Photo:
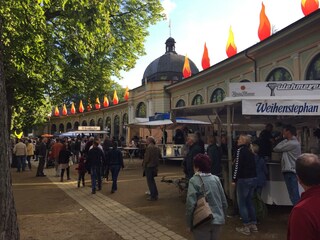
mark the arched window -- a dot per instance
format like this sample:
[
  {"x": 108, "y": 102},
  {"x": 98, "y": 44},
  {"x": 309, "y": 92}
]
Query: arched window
[
  {"x": 313, "y": 72},
  {"x": 279, "y": 74},
  {"x": 69, "y": 126},
  {"x": 100, "y": 123},
  {"x": 141, "y": 110},
  {"x": 116, "y": 127},
  {"x": 92, "y": 122},
  {"x": 61, "y": 127},
  {"x": 108, "y": 125},
  {"x": 180, "y": 103},
  {"x": 53, "y": 128},
  {"x": 245, "y": 80},
  {"x": 218, "y": 95},
  {"x": 197, "y": 100},
  {"x": 76, "y": 125},
  {"x": 125, "y": 121},
  {"x": 84, "y": 123}
]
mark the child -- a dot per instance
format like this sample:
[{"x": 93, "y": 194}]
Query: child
[{"x": 81, "y": 170}]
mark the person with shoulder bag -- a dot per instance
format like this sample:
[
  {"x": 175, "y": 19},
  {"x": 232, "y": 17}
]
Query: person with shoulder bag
[{"x": 204, "y": 184}]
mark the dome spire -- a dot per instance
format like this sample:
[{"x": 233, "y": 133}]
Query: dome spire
[{"x": 170, "y": 47}]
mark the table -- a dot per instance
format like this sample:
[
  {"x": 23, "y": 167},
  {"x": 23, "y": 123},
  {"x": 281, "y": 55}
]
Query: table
[{"x": 130, "y": 151}]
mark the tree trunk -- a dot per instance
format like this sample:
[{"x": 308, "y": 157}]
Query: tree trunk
[{"x": 8, "y": 217}]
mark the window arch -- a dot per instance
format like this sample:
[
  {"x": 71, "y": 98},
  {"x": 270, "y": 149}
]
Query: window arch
[
  {"x": 141, "y": 110},
  {"x": 53, "y": 128},
  {"x": 69, "y": 126},
  {"x": 108, "y": 125},
  {"x": 92, "y": 122},
  {"x": 197, "y": 100},
  {"x": 218, "y": 95},
  {"x": 125, "y": 120},
  {"x": 245, "y": 80},
  {"x": 180, "y": 103},
  {"x": 313, "y": 71},
  {"x": 116, "y": 125},
  {"x": 100, "y": 123},
  {"x": 76, "y": 125},
  {"x": 61, "y": 127},
  {"x": 84, "y": 123},
  {"x": 279, "y": 74}
]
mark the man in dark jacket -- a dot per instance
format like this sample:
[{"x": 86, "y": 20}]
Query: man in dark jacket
[
  {"x": 194, "y": 149},
  {"x": 95, "y": 160},
  {"x": 42, "y": 157},
  {"x": 115, "y": 163},
  {"x": 150, "y": 165}
]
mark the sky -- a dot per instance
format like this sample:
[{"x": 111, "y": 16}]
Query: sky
[{"x": 194, "y": 23}]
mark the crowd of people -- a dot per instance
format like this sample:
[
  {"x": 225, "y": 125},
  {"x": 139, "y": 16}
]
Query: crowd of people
[{"x": 249, "y": 174}]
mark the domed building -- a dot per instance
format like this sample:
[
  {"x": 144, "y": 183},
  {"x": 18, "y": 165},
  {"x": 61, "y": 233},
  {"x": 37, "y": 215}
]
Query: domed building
[{"x": 167, "y": 67}]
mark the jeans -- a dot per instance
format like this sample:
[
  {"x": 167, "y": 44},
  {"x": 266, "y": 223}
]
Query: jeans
[
  {"x": 115, "y": 169},
  {"x": 95, "y": 172},
  {"x": 245, "y": 190},
  {"x": 21, "y": 163},
  {"x": 150, "y": 174},
  {"x": 291, "y": 181}
]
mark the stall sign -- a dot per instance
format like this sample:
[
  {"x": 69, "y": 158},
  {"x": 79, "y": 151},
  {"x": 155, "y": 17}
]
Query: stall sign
[{"x": 281, "y": 107}]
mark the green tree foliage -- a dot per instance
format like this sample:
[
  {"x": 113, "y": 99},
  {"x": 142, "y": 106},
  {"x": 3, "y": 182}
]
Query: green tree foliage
[{"x": 59, "y": 51}]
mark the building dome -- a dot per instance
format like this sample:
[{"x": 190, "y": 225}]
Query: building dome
[{"x": 167, "y": 67}]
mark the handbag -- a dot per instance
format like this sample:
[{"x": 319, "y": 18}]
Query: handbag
[{"x": 202, "y": 212}]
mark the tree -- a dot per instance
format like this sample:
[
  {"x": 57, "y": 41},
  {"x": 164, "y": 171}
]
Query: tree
[{"x": 51, "y": 48}]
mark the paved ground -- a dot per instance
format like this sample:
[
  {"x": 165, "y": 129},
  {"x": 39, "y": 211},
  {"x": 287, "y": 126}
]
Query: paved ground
[{"x": 48, "y": 209}]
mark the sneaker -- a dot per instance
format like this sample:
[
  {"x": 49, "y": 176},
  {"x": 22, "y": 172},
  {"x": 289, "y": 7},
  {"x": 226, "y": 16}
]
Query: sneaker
[
  {"x": 253, "y": 228},
  {"x": 244, "y": 230}
]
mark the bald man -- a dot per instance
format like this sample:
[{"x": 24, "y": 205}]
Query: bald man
[{"x": 304, "y": 220}]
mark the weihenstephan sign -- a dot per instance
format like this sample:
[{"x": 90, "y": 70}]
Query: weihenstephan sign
[{"x": 278, "y": 98}]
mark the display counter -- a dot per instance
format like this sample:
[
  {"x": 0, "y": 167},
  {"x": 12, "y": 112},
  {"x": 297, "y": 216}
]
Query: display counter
[{"x": 275, "y": 191}]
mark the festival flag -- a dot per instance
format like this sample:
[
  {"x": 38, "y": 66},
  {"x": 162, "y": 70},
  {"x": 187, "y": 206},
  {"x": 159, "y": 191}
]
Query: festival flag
[
  {"x": 64, "y": 110},
  {"x": 105, "y": 101},
  {"x": 126, "y": 94},
  {"x": 186, "y": 71},
  {"x": 231, "y": 48},
  {"x": 56, "y": 112},
  {"x": 115, "y": 98},
  {"x": 81, "y": 108},
  {"x": 18, "y": 135},
  {"x": 205, "y": 58},
  {"x": 97, "y": 104},
  {"x": 309, "y": 6},
  {"x": 73, "y": 109},
  {"x": 264, "y": 27}
]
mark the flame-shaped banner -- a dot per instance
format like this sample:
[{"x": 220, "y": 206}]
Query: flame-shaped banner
[
  {"x": 264, "y": 27},
  {"x": 56, "y": 112},
  {"x": 231, "y": 48},
  {"x": 97, "y": 104},
  {"x": 205, "y": 58},
  {"x": 126, "y": 94},
  {"x": 115, "y": 98},
  {"x": 18, "y": 135},
  {"x": 73, "y": 109},
  {"x": 105, "y": 101},
  {"x": 64, "y": 110},
  {"x": 81, "y": 108},
  {"x": 186, "y": 71},
  {"x": 309, "y": 6}
]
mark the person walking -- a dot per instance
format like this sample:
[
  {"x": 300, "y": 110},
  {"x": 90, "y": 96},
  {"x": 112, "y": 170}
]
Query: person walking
[
  {"x": 290, "y": 148},
  {"x": 30, "y": 152},
  {"x": 20, "y": 152},
  {"x": 215, "y": 197},
  {"x": 115, "y": 163},
  {"x": 194, "y": 149},
  {"x": 55, "y": 151},
  {"x": 150, "y": 165},
  {"x": 64, "y": 159},
  {"x": 95, "y": 160},
  {"x": 81, "y": 171},
  {"x": 244, "y": 177},
  {"x": 42, "y": 157},
  {"x": 214, "y": 153},
  {"x": 304, "y": 219}
]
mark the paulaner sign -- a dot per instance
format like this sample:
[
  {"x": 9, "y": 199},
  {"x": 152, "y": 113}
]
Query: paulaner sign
[{"x": 281, "y": 107}]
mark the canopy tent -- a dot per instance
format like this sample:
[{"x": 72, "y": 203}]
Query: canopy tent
[{"x": 80, "y": 132}]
